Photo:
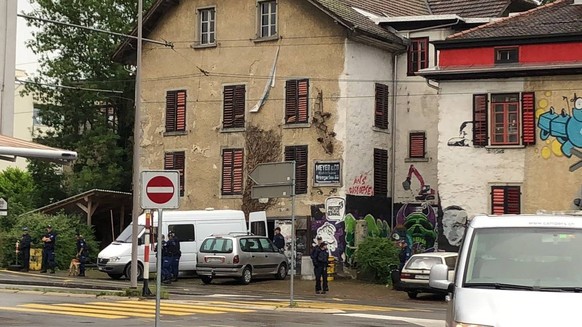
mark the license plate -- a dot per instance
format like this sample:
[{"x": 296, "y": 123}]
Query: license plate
[
  {"x": 421, "y": 276},
  {"x": 214, "y": 260}
]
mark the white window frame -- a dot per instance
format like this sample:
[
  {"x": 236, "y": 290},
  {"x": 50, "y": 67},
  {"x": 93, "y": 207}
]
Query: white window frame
[
  {"x": 272, "y": 4},
  {"x": 210, "y": 34}
]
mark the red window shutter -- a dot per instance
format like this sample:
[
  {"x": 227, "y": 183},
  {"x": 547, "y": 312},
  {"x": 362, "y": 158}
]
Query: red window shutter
[
  {"x": 170, "y": 111},
  {"x": 180, "y": 165},
  {"x": 227, "y": 160},
  {"x": 300, "y": 155},
  {"x": 181, "y": 110},
  {"x": 417, "y": 145},
  {"x": 228, "y": 109},
  {"x": 237, "y": 176},
  {"x": 528, "y": 107},
  {"x": 302, "y": 100},
  {"x": 513, "y": 200},
  {"x": 291, "y": 102},
  {"x": 498, "y": 200},
  {"x": 380, "y": 172},
  {"x": 480, "y": 129},
  {"x": 239, "y": 106},
  {"x": 381, "y": 106}
]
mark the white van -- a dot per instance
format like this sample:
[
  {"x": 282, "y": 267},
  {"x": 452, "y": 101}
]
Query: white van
[
  {"x": 190, "y": 227},
  {"x": 516, "y": 270}
]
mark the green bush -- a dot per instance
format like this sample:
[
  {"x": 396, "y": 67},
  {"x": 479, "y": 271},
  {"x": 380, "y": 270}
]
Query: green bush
[
  {"x": 65, "y": 226},
  {"x": 375, "y": 256}
]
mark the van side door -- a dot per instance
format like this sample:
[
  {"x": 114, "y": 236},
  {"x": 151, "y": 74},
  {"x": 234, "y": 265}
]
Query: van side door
[
  {"x": 186, "y": 236},
  {"x": 271, "y": 255}
]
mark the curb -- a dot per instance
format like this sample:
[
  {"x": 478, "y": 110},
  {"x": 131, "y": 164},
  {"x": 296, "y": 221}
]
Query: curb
[{"x": 61, "y": 284}]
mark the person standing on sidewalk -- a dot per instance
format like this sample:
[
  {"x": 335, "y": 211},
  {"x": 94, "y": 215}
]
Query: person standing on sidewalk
[
  {"x": 82, "y": 254},
  {"x": 175, "y": 253},
  {"x": 320, "y": 264},
  {"x": 48, "y": 251},
  {"x": 25, "y": 249},
  {"x": 279, "y": 239}
]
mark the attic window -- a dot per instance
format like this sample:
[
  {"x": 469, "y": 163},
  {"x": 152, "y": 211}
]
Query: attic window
[{"x": 506, "y": 55}]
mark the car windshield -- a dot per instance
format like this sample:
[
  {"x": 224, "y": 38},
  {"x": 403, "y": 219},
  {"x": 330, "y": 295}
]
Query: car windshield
[
  {"x": 125, "y": 236},
  {"x": 216, "y": 245},
  {"x": 422, "y": 262},
  {"x": 534, "y": 258}
]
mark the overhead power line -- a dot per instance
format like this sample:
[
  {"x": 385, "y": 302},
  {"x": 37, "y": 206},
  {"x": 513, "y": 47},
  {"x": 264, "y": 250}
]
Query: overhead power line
[
  {"x": 71, "y": 87},
  {"x": 164, "y": 43}
]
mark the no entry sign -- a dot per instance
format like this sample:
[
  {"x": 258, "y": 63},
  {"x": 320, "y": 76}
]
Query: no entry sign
[{"x": 160, "y": 189}]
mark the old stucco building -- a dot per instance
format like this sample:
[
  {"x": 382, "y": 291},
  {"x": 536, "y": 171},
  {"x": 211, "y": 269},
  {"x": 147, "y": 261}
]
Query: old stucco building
[{"x": 512, "y": 88}]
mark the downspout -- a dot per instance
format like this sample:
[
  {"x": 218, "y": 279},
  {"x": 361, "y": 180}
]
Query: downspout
[{"x": 393, "y": 133}]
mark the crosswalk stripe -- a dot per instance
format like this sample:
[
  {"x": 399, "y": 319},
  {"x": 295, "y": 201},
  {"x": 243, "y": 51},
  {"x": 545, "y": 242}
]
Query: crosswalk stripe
[
  {"x": 92, "y": 315},
  {"x": 83, "y": 310},
  {"x": 113, "y": 307},
  {"x": 196, "y": 306},
  {"x": 163, "y": 308}
]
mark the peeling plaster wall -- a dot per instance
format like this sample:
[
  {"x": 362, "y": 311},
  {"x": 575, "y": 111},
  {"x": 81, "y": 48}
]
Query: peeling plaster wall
[
  {"x": 363, "y": 67},
  {"x": 465, "y": 174},
  {"x": 312, "y": 46}
]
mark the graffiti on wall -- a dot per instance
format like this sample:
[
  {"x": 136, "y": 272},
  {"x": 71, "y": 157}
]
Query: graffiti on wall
[
  {"x": 419, "y": 220},
  {"x": 452, "y": 227},
  {"x": 373, "y": 228},
  {"x": 362, "y": 185},
  {"x": 565, "y": 128},
  {"x": 331, "y": 231},
  {"x": 425, "y": 192},
  {"x": 463, "y": 138}
]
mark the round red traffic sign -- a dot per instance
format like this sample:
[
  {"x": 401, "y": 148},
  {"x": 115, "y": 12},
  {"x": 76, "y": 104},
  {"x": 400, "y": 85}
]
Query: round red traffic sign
[{"x": 160, "y": 189}]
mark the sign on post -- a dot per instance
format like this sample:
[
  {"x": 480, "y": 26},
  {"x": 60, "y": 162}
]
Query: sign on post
[
  {"x": 3, "y": 207},
  {"x": 274, "y": 180},
  {"x": 160, "y": 189}
]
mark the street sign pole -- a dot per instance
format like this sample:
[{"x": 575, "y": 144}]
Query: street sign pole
[
  {"x": 159, "y": 267},
  {"x": 292, "y": 233}
]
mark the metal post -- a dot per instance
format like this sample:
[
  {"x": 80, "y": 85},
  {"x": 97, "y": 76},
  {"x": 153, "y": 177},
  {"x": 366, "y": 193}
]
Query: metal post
[
  {"x": 292, "y": 234},
  {"x": 146, "y": 257},
  {"x": 159, "y": 268},
  {"x": 136, "y": 139}
]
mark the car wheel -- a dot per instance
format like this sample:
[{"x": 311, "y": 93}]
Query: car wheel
[
  {"x": 281, "y": 272},
  {"x": 115, "y": 276},
  {"x": 206, "y": 279},
  {"x": 412, "y": 295},
  {"x": 139, "y": 271},
  {"x": 247, "y": 276}
]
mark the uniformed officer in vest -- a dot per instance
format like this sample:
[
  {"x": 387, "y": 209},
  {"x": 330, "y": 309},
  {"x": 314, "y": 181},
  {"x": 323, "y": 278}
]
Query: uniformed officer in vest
[
  {"x": 48, "y": 251},
  {"x": 25, "y": 241}
]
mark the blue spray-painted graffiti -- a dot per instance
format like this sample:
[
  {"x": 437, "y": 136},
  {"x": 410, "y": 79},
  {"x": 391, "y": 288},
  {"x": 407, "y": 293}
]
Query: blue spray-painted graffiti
[{"x": 566, "y": 128}]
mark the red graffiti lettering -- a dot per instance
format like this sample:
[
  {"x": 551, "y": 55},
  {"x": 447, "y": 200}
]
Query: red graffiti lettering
[{"x": 359, "y": 186}]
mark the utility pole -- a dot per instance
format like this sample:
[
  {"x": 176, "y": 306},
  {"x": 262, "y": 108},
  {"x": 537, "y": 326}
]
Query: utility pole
[{"x": 137, "y": 135}]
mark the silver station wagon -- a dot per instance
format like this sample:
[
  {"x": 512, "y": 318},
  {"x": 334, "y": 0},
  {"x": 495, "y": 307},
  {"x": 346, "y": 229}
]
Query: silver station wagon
[{"x": 240, "y": 256}]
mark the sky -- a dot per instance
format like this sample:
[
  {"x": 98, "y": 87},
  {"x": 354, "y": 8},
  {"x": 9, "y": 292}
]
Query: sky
[{"x": 25, "y": 59}]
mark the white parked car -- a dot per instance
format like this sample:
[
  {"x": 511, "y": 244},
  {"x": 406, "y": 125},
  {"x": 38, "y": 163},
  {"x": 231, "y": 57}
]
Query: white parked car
[{"x": 416, "y": 272}]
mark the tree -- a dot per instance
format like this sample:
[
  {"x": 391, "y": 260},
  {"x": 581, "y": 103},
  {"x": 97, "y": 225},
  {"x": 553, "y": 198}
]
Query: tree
[
  {"x": 96, "y": 124},
  {"x": 18, "y": 189}
]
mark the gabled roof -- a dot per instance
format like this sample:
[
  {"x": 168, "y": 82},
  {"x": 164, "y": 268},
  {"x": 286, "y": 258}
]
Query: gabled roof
[
  {"x": 360, "y": 26},
  {"x": 475, "y": 8},
  {"x": 392, "y": 8},
  {"x": 558, "y": 18}
]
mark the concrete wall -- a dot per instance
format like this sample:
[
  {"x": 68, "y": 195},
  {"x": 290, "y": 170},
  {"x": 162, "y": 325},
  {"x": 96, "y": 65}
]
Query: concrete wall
[
  {"x": 7, "y": 64},
  {"x": 312, "y": 46},
  {"x": 466, "y": 173}
]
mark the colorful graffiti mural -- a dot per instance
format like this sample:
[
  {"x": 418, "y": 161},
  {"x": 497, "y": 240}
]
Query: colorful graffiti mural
[
  {"x": 419, "y": 220},
  {"x": 374, "y": 227},
  {"x": 454, "y": 220},
  {"x": 565, "y": 128}
]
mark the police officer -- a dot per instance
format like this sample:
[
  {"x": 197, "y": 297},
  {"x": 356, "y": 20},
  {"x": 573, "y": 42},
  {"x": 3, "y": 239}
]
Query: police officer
[
  {"x": 48, "y": 251},
  {"x": 25, "y": 241},
  {"x": 321, "y": 262},
  {"x": 174, "y": 244},
  {"x": 82, "y": 254},
  {"x": 166, "y": 260}
]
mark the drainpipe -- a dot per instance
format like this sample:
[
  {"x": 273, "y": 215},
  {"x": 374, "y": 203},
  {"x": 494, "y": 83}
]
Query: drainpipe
[{"x": 393, "y": 133}]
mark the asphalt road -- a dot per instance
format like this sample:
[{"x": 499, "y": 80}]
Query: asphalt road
[{"x": 31, "y": 308}]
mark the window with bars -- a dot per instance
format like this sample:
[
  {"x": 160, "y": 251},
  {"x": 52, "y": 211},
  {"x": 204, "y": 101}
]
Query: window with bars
[
  {"x": 176, "y": 111},
  {"x": 207, "y": 26},
  {"x": 267, "y": 18},
  {"x": 232, "y": 171},
  {"x": 380, "y": 172},
  {"x": 381, "y": 106},
  {"x": 233, "y": 113},
  {"x": 504, "y": 119},
  {"x": 296, "y": 101},
  {"x": 505, "y": 200},
  {"x": 299, "y": 154},
  {"x": 176, "y": 161},
  {"x": 417, "y": 145},
  {"x": 417, "y": 55}
]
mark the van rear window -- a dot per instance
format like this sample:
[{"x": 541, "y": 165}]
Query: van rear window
[{"x": 216, "y": 245}]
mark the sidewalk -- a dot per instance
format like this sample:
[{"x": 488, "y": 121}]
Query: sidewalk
[{"x": 340, "y": 289}]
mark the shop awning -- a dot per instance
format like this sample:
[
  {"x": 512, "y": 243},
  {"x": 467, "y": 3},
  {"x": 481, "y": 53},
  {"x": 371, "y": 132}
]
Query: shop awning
[{"x": 11, "y": 147}]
